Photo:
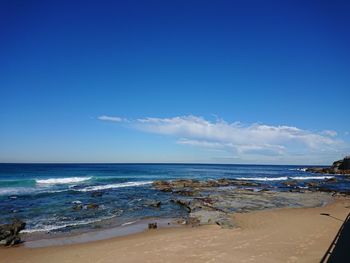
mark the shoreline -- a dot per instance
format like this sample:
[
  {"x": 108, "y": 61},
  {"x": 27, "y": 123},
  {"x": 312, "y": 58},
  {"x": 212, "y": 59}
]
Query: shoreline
[
  {"x": 72, "y": 238},
  {"x": 274, "y": 235},
  {"x": 48, "y": 239}
]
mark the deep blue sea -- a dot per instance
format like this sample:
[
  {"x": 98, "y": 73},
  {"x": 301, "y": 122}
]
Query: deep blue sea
[{"x": 44, "y": 195}]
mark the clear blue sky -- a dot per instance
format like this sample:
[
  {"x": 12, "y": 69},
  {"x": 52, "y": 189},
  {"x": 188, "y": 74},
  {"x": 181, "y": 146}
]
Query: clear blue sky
[{"x": 66, "y": 64}]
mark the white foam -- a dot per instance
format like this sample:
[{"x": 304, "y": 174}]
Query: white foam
[
  {"x": 68, "y": 180},
  {"x": 49, "y": 228},
  {"x": 129, "y": 223},
  {"x": 298, "y": 169},
  {"x": 16, "y": 190},
  {"x": 264, "y": 178},
  {"x": 311, "y": 177},
  {"x": 111, "y": 186},
  {"x": 284, "y": 178}
]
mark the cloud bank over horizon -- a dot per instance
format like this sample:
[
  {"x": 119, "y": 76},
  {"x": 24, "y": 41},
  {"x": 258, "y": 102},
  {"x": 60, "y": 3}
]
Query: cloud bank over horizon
[{"x": 241, "y": 141}]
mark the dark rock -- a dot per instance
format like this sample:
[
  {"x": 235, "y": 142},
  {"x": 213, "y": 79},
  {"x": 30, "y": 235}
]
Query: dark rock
[
  {"x": 152, "y": 225},
  {"x": 291, "y": 183},
  {"x": 206, "y": 200},
  {"x": 313, "y": 184},
  {"x": 9, "y": 233},
  {"x": 78, "y": 207},
  {"x": 92, "y": 206},
  {"x": 162, "y": 186},
  {"x": 193, "y": 221},
  {"x": 186, "y": 186},
  {"x": 234, "y": 182},
  {"x": 325, "y": 189},
  {"x": 183, "y": 203},
  {"x": 153, "y": 203},
  {"x": 225, "y": 223},
  {"x": 185, "y": 192},
  {"x": 156, "y": 204},
  {"x": 264, "y": 190},
  {"x": 338, "y": 167},
  {"x": 331, "y": 180},
  {"x": 342, "y": 164}
]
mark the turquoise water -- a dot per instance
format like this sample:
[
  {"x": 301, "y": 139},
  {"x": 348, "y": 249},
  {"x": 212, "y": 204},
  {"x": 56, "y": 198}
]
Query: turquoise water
[{"x": 46, "y": 196}]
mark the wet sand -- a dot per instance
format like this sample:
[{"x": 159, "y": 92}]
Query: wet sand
[{"x": 280, "y": 235}]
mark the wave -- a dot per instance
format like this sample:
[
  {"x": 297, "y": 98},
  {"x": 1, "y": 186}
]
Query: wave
[
  {"x": 49, "y": 228},
  {"x": 129, "y": 223},
  {"x": 298, "y": 169},
  {"x": 68, "y": 180},
  {"x": 311, "y": 177},
  {"x": 283, "y": 178},
  {"x": 27, "y": 191},
  {"x": 111, "y": 186},
  {"x": 44, "y": 190},
  {"x": 16, "y": 190}
]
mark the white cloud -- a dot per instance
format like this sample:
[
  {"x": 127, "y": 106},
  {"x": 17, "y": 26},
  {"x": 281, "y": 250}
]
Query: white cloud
[
  {"x": 242, "y": 140},
  {"x": 110, "y": 118},
  {"x": 330, "y": 133}
]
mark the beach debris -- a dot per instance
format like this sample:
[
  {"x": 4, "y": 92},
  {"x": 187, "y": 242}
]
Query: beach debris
[
  {"x": 152, "y": 225},
  {"x": 9, "y": 233}
]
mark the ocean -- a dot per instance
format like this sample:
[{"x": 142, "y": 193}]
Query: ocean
[{"x": 55, "y": 198}]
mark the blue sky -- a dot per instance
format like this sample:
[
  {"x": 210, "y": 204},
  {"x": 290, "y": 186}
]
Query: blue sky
[{"x": 174, "y": 81}]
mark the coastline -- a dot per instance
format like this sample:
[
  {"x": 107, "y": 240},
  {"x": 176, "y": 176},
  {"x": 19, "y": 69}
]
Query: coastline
[{"x": 275, "y": 235}]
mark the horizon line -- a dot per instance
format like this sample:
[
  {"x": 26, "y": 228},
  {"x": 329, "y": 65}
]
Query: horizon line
[{"x": 163, "y": 163}]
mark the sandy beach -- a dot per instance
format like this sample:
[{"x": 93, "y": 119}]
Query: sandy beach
[{"x": 279, "y": 235}]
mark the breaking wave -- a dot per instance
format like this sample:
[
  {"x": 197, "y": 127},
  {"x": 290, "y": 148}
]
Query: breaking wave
[
  {"x": 68, "y": 180},
  {"x": 311, "y": 177},
  {"x": 110, "y": 186},
  {"x": 48, "y": 228},
  {"x": 284, "y": 178}
]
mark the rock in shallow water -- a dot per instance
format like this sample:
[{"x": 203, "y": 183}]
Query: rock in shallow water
[
  {"x": 152, "y": 225},
  {"x": 214, "y": 201},
  {"x": 92, "y": 206},
  {"x": 9, "y": 233}
]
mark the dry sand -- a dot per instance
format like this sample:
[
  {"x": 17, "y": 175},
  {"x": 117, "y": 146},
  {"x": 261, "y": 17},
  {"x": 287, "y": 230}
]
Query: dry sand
[{"x": 281, "y": 235}]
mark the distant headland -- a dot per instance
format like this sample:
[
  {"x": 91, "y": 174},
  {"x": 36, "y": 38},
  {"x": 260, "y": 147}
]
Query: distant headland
[{"x": 338, "y": 167}]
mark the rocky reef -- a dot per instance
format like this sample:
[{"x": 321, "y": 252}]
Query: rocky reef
[
  {"x": 338, "y": 167},
  {"x": 214, "y": 201},
  {"x": 9, "y": 233}
]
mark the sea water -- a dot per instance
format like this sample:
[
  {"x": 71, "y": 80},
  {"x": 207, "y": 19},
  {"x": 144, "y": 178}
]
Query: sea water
[{"x": 65, "y": 197}]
